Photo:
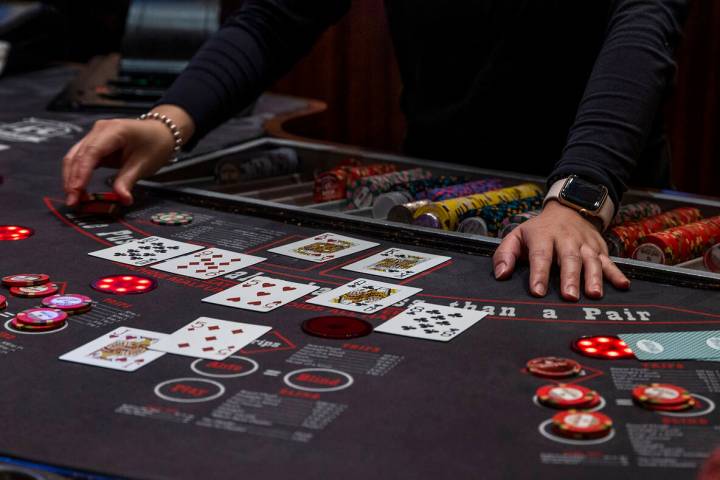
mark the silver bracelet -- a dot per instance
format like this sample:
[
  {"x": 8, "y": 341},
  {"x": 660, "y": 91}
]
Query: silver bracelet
[{"x": 177, "y": 136}]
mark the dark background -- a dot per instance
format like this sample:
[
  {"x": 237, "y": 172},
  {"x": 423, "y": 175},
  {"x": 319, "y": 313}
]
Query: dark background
[{"x": 353, "y": 69}]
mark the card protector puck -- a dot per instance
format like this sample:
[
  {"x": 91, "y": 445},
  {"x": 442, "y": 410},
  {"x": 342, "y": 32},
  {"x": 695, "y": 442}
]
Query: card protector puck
[
  {"x": 553, "y": 367},
  {"x": 337, "y": 327},
  {"x": 124, "y": 284},
  {"x": 25, "y": 280},
  {"x": 69, "y": 302},
  {"x": 607, "y": 347},
  {"x": 36, "y": 291},
  {"x": 15, "y": 232}
]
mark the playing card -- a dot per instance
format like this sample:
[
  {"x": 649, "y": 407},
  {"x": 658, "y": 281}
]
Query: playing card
[
  {"x": 431, "y": 322},
  {"x": 124, "y": 349},
  {"x": 364, "y": 296},
  {"x": 261, "y": 294},
  {"x": 145, "y": 251},
  {"x": 210, "y": 338},
  {"x": 396, "y": 263},
  {"x": 209, "y": 263},
  {"x": 323, "y": 247},
  {"x": 674, "y": 345}
]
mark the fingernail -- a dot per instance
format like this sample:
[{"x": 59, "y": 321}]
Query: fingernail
[
  {"x": 572, "y": 291},
  {"x": 500, "y": 269},
  {"x": 540, "y": 288}
]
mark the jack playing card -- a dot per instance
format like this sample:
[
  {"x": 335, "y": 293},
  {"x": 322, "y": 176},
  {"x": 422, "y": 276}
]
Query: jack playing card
[
  {"x": 210, "y": 338},
  {"x": 431, "y": 322},
  {"x": 209, "y": 263},
  {"x": 364, "y": 296},
  {"x": 396, "y": 263},
  {"x": 146, "y": 251},
  {"x": 124, "y": 349},
  {"x": 323, "y": 247},
  {"x": 261, "y": 294}
]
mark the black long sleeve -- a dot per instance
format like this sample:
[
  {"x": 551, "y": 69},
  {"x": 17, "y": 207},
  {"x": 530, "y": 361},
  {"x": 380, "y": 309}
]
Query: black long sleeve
[
  {"x": 625, "y": 91},
  {"x": 258, "y": 44},
  {"x": 548, "y": 88}
]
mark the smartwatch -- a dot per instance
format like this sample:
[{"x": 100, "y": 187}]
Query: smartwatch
[{"x": 589, "y": 199}]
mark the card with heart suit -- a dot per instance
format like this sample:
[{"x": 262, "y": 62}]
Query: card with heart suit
[
  {"x": 210, "y": 338},
  {"x": 431, "y": 322},
  {"x": 125, "y": 349},
  {"x": 146, "y": 251},
  {"x": 323, "y": 247},
  {"x": 396, "y": 263},
  {"x": 261, "y": 294},
  {"x": 364, "y": 296},
  {"x": 698, "y": 345},
  {"x": 209, "y": 263}
]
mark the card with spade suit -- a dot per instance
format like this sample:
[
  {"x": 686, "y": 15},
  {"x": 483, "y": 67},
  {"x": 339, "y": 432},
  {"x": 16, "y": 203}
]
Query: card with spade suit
[{"x": 146, "y": 251}]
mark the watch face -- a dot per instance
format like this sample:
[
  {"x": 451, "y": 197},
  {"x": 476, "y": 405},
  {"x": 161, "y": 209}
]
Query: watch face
[{"x": 584, "y": 194}]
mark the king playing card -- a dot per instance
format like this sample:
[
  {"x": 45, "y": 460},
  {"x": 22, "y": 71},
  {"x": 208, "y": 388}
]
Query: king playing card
[
  {"x": 323, "y": 247},
  {"x": 364, "y": 296},
  {"x": 397, "y": 263}
]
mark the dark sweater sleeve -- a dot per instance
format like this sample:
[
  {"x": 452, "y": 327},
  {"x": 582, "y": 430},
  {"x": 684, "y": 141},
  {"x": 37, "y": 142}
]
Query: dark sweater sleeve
[
  {"x": 254, "y": 47},
  {"x": 625, "y": 91}
]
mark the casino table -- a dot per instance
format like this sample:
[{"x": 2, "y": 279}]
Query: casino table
[{"x": 295, "y": 405}]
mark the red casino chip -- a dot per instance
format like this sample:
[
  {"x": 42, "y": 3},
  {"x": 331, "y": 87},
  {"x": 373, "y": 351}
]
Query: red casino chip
[
  {"x": 25, "y": 280},
  {"x": 582, "y": 425},
  {"x": 608, "y": 347},
  {"x": 553, "y": 367},
  {"x": 15, "y": 232},
  {"x": 3, "y": 302},
  {"x": 124, "y": 284},
  {"x": 40, "y": 317},
  {"x": 663, "y": 394},
  {"x": 69, "y": 302},
  {"x": 337, "y": 327},
  {"x": 566, "y": 396},
  {"x": 33, "y": 292}
]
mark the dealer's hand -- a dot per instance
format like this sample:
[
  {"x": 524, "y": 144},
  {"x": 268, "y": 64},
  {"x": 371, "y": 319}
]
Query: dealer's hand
[
  {"x": 137, "y": 147},
  {"x": 562, "y": 234}
]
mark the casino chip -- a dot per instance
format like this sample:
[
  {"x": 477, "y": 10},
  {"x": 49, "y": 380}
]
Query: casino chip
[
  {"x": 70, "y": 303},
  {"x": 15, "y": 232},
  {"x": 566, "y": 396},
  {"x": 39, "y": 319},
  {"x": 25, "y": 280},
  {"x": 124, "y": 284},
  {"x": 581, "y": 425},
  {"x": 3, "y": 302},
  {"x": 663, "y": 397},
  {"x": 607, "y": 347},
  {"x": 172, "y": 218},
  {"x": 33, "y": 292},
  {"x": 338, "y": 327},
  {"x": 553, "y": 367}
]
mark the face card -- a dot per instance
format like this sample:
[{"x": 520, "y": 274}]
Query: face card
[
  {"x": 396, "y": 263},
  {"x": 209, "y": 263},
  {"x": 323, "y": 247},
  {"x": 261, "y": 294},
  {"x": 431, "y": 322},
  {"x": 674, "y": 345},
  {"x": 124, "y": 349},
  {"x": 364, "y": 296},
  {"x": 146, "y": 251},
  {"x": 210, "y": 338}
]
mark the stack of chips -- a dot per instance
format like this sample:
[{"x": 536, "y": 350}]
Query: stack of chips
[
  {"x": 488, "y": 220},
  {"x": 104, "y": 203},
  {"x": 580, "y": 425},
  {"x": 70, "y": 303},
  {"x": 333, "y": 184},
  {"x": 39, "y": 320},
  {"x": 636, "y": 211},
  {"x": 553, "y": 367},
  {"x": 663, "y": 397},
  {"x": 679, "y": 244},
  {"x": 567, "y": 396},
  {"x": 364, "y": 191}
]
